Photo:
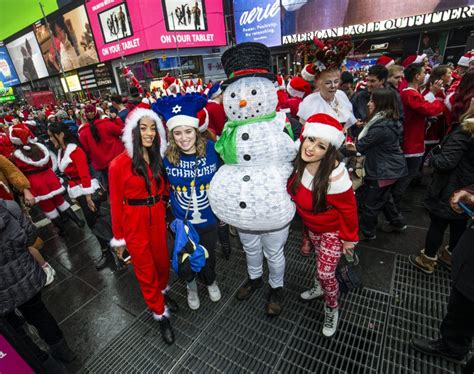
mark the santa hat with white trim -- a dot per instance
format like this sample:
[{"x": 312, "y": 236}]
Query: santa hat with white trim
[
  {"x": 466, "y": 58},
  {"x": 280, "y": 82},
  {"x": 309, "y": 73},
  {"x": 20, "y": 134},
  {"x": 298, "y": 87},
  {"x": 132, "y": 122},
  {"x": 384, "y": 60},
  {"x": 324, "y": 127},
  {"x": 180, "y": 110}
]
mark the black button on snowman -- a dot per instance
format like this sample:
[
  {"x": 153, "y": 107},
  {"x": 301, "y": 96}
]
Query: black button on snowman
[{"x": 249, "y": 190}]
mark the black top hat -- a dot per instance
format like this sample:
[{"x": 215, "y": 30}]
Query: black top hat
[{"x": 247, "y": 60}]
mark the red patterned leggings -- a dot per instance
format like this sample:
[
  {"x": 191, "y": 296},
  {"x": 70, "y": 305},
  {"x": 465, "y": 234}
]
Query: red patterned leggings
[{"x": 328, "y": 248}]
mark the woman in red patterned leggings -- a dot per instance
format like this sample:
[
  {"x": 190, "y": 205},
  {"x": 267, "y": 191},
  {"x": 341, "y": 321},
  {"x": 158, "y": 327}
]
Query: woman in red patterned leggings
[{"x": 322, "y": 191}]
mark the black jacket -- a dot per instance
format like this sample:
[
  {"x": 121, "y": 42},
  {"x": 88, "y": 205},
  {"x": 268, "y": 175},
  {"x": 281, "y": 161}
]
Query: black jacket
[
  {"x": 453, "y": 169},
  {"x": 381, "y": 147},
  {"x": 463, "y": 264},
  {"x": 21, "y": 277}
]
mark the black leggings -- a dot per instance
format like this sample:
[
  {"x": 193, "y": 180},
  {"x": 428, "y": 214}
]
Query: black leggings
[
  {"x": 208, "y": 238},
  {"x": 435, "y": 235}
]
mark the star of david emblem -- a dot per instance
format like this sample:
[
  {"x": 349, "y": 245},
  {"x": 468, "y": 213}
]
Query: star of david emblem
[{"x": 176, "y": 109}]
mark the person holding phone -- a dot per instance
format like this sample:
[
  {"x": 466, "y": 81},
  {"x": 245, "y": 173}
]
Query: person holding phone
[
  {"x": 137, "y": 188},
  {"x": 453, "y": 168}
]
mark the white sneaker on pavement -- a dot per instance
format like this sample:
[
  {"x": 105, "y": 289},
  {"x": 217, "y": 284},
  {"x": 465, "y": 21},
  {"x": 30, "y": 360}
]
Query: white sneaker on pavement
[
  {"x": 50, "y": 273},
  {"x": 193, "y": 297},
  {"x": 214, "y": 292},
  {"x": 314, "y": 292},
  {"x": 331, "y": 317}
]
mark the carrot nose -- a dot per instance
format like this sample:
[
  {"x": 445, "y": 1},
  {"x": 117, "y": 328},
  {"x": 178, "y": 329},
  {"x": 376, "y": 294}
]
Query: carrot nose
[{"x": 243, "y": 103}]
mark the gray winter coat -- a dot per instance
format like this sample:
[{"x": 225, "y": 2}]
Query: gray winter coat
[{"x": 21, "y": 277}]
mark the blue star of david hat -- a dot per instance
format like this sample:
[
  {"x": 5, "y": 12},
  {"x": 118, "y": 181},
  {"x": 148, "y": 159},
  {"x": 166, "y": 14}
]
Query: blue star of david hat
[{"x": 180, "y": 110}]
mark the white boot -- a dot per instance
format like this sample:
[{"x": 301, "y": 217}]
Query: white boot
[
  {"x": 331, "y": 316},
  {"x": 193, "y": 297},
  {"x": 50, "y": 273},
  {"x": 313, "y": 293},
  {"x": 214, "y": 292}
]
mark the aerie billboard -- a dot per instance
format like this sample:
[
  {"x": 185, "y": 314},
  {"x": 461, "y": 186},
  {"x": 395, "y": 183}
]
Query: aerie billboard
[{"x": 124, "y": 27}]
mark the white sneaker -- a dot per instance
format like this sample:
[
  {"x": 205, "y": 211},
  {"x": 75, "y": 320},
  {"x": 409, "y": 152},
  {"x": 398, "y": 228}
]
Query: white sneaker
[
  {"x": 214, "y": 292},
  {"x": 313, "y": 293},
  {"x": 193, "y": 297},
  {"x": 50, "y": 273},
  {"x": 331, "y": 317}
]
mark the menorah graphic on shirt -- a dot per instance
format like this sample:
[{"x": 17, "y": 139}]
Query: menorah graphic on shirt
[{"x": 196, "y": 199}]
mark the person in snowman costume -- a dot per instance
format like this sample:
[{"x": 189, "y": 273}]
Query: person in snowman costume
[{"x": 248, "y": 191}]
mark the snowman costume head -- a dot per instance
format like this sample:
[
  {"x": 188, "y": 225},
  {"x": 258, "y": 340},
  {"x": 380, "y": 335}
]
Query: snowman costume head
[{"x": 249, "y": 191}]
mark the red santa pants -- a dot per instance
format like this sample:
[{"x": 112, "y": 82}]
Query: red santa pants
[
  {"x": 328, "y": 247},
  {"x": 147, "y": 244},
  {"x": 51, "y": 206}
]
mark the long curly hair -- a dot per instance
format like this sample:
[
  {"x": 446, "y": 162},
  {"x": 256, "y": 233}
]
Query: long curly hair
[
  {"x": 463, "y": 96},
  {"x": 173, "y": 153}
]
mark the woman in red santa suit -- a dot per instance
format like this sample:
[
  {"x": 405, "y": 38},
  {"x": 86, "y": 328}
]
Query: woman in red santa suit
[
  {"x": 137, "y": 187},
  {"x": 100, "y": 138},
  {"x": 34, "y": 161},
  {"x": 72, "y": 162},
  {"x": 322, "y": 191}
]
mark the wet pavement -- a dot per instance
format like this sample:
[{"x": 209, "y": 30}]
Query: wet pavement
[{"x": 106, "y": 322}]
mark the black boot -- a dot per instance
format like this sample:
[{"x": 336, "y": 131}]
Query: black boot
[
  {"x": 53, "y": 366},
  {"x": 72, "y": 215},
  {"x": 171, "y": 304},
  {"x": 166, "y": 330},
  {"x": 61, "y": 351},
  {"x": 248, "y": 288},
  {"x": 223, "y": 232},
  {"x": 275, "y": 299},
  {"x": 58, "y": 222},
  {"x": 435, "y": 348}
]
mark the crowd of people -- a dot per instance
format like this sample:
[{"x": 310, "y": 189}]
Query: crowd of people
[{"x": 244, "y": 155}]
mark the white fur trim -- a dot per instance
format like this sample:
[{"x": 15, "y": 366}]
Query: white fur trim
[
  {"x": 65, "y": 160},
  {"x": 114, "y": 242},
  {"x": 293, "y": 92},
  {"x": 132, "y": 121},
  {"x": 182, "y": 120},
  {"x": 217, "y": 93},
  {"x": 342, "y": 184},
  {"x": 41, "y": 162},
  {"x": 165, "y": 291},
  {"x": 447, "y": 101},
  {"x": 54, "y": 161},
  {"x": 64, "y": 206},
  {"x": 390, "y": 63},
  {"x": 205, "y": 125},
  {"x": 464, "y": 61},
  {"x": 306, "y": 75},
  {"x": 59, "y": 191},
  {"x": 159, "y": 317},
  {"x": 14, "y": 139},
  {"x": 419, "y": 58},
  {"x": 52, "y": 215},
  {"x": 323, "y": 131},
  {"x": 78, "y": 190}
]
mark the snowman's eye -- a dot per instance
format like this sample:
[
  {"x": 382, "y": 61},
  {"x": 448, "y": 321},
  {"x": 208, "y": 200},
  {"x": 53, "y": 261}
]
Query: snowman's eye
[
  {"x": 254, "y": 92},
  {"x": 232, "y": 95}
]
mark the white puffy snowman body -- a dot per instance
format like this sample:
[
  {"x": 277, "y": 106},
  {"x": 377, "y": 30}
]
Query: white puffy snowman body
[{"x": 251, "y": 194}]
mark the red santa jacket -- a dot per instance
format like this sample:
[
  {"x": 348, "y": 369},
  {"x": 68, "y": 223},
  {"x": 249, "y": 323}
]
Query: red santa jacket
[
  {"x": 73, "y": 163},
  {"x": 416, "y": 109},
  {"x": 131, "y": 224},
  {"x": 217, "y": 117},
  {"x": 342, "y": 208},
  {"x": 110, "y": 145}
]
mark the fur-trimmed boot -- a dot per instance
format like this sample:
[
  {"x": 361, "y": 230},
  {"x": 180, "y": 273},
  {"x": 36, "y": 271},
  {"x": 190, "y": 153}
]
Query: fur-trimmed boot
[
  {"x": 426, "y": 264},
  {"x": 445, "y": 258}
]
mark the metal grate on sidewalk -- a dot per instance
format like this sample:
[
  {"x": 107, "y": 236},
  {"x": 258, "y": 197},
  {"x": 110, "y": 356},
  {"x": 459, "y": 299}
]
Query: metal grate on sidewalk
[{"x": 418, "y": 306}]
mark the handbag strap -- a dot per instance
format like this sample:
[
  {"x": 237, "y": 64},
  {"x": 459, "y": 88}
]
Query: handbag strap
[{"x": 192, "y": 183}]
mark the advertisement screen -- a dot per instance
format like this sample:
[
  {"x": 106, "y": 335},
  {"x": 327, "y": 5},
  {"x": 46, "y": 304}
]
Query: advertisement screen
[
  {"x": 73, "y": 40},
  {"x": 258, "y": 21},
  {"x": 305, "y": 16},
  {"x": 72, "y": 82},
  {"x": 122, "y": 27},
  {"x": 8, "y": 76},
  {"x": 26, "y": 56}
]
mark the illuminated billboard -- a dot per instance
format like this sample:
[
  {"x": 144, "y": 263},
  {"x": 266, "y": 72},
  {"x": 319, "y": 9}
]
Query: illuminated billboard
[
  {"x": 122, "y": 27},
  {"x": 73, "y": 40},
  {"x": 27, "y": 59},
  {"x": 8, "y": 76}
]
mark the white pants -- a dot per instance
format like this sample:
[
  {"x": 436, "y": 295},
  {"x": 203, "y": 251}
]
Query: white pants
[{"x": 269, "y": 243}]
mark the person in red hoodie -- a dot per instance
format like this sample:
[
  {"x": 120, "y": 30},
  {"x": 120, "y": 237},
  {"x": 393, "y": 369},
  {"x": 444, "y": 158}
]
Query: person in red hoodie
[
  {"x": 322, "y": 191},
  {"x": 416, "y": 108},
  {"x": 100, "y": 138}
]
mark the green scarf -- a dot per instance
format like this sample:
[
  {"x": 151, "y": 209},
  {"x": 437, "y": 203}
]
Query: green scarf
[{"x": 226, "y": 146}]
